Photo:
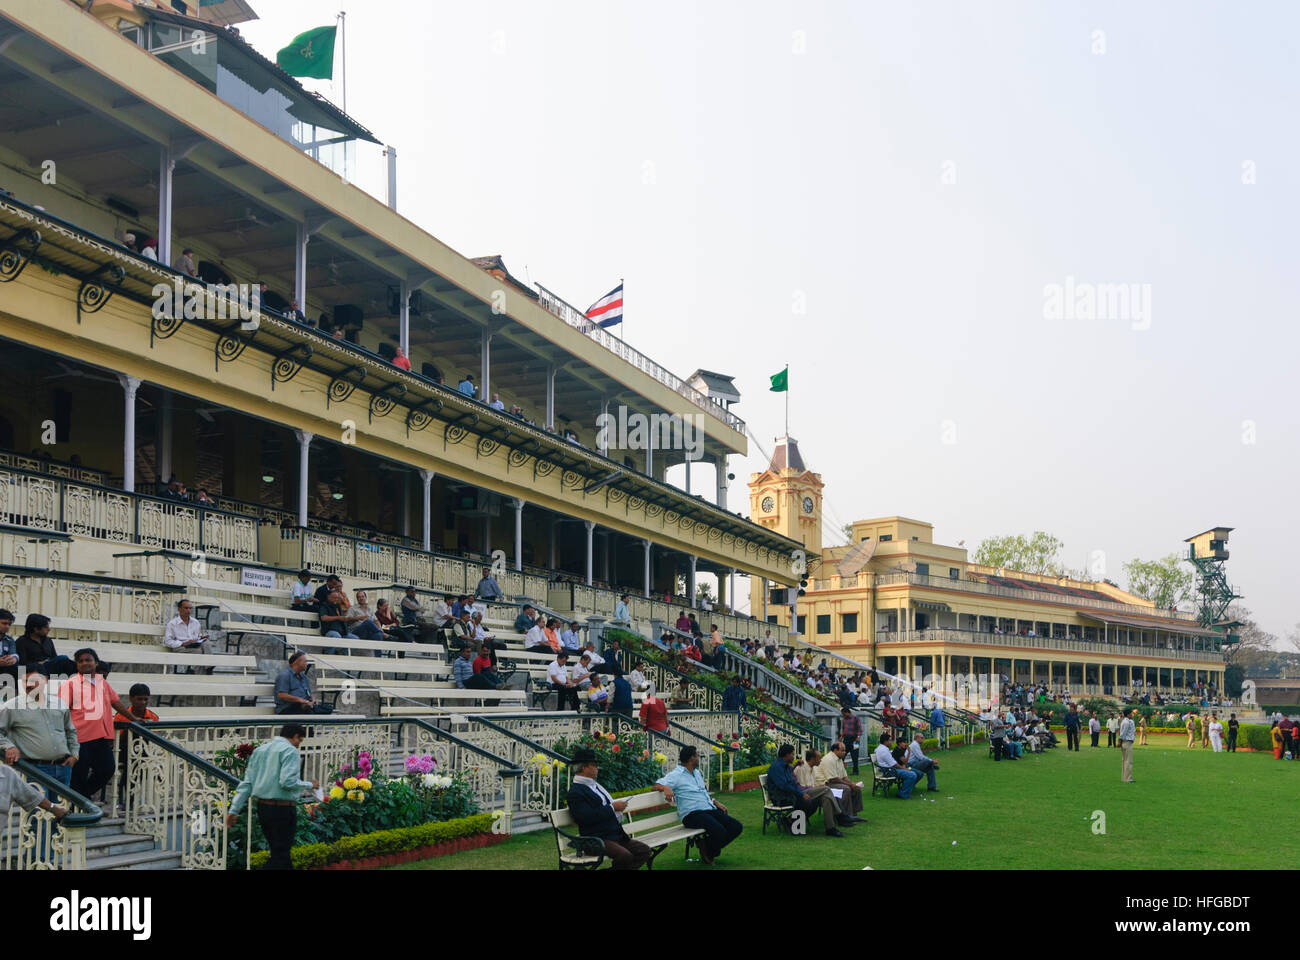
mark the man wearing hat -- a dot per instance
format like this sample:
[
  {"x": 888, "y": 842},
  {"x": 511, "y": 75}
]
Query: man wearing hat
[{"x": 600, "y": 815}]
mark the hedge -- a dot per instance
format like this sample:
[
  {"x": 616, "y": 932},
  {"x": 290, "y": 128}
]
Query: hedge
[{"x": 381, "y": 842}]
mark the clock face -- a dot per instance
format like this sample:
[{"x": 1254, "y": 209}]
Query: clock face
[
  {"x": 768, "y": 504},
  {"x": 807, "y": 505}
]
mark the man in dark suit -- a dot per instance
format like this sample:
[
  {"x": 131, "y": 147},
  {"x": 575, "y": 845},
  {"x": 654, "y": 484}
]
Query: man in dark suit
[{"x": 599, "y": 815}]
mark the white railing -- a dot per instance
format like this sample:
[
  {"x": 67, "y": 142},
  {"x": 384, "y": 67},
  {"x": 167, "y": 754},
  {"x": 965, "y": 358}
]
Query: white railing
[
  {"x": 1013, "y": 593},
  {"x": 1051, "y": 644},
  {"x": 578, "y": 320}
]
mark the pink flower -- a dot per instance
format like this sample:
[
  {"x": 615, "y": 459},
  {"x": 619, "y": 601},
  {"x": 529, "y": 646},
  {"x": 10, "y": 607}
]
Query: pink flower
[
  {"x": 346, "y": 768},
  {"x": 338, "y": 783}
]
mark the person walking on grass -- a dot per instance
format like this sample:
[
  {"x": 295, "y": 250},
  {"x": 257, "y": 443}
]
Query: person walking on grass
[
  {"x": 1276, "y": 734},
  {"x": 1191, "y": 731},
  {"x": 1142, "y": 731},
  {"x": 1216, "y": 733},
  {"x": 1127, "y": 730}
]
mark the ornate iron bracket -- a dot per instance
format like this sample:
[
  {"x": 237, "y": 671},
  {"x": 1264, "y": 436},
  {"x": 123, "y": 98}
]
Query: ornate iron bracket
[
  {"x": 229, "y": 345},
  {"x": 457, "y": 430},
  {"x": 341, "y": 386},
  {"x": 13, "y": 258},
  {"x": 384, "y": 399},
  {"x": 288, "y": 362},
  {"x": 94, "y": 293},
  {"x": 421, "y": 415}
]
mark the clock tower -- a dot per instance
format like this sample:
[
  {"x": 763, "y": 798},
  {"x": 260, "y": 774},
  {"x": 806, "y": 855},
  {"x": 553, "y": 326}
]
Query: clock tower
[{"x": 787, "y": 497}]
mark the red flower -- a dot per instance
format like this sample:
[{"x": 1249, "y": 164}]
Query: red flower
[
  {"x": 616, "y": 748},
  {"x": 244, "y": 751}
]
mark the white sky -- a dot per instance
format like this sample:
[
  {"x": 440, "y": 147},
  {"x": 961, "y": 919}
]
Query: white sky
[{"x": 688, "y": 148}]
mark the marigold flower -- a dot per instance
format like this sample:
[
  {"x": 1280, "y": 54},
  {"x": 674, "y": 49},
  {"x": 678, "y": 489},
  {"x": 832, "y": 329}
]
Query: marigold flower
[
  {"x": 363, "y": 783},
  {"x": 337, "y": 793},
  {"x": 350, "y": 783}
]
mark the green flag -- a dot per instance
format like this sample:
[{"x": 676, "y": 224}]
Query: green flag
[
  {"x": 311, "y": 54},
  {"x": 781, "y": 381}
]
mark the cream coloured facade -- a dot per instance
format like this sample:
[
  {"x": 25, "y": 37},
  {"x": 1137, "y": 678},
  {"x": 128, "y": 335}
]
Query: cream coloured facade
[{"x": 897, "y": 599}]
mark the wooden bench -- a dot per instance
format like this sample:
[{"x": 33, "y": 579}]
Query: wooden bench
[
  {"x": 656, "y": 831},
  {"x": 139, "y": 653},
  {"x": 107, "y": 626}
]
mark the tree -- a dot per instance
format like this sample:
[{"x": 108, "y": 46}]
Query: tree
[
  {"x": 1294, "y": 636},
  {"x": 1166, "y": 582},
  {"x": 1037, "y": 553},
  {"x": 1256, "y": 646}
]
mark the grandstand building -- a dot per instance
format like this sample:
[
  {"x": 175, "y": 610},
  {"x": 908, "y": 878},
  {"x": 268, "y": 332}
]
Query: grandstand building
[
  {"x": 896, "y": 599},
  {"x": 315, "y": 449}
]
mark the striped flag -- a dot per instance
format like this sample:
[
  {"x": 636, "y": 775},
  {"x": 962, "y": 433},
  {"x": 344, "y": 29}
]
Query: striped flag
[{"x": 608, "y": 310}]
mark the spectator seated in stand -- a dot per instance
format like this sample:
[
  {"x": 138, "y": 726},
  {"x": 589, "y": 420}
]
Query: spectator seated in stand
[
  {"x": 830, "y": 772},
  {"x": 485, "y": 666},
  {"x": 35, "y": 649},
  {"x": 388, "y": 622},
  {"x": 304, "y": 597},
  {"x": 557, "y": 675},
  {"x": 887, "y": 762},
  {"x": 293, "y": 690},
  {"x": 526, "y": 620},
  {"x": 412, "y": 611},
  {"x": 597, "y": 695},
  {"x": 637, "y": 679},
  {"x": 462, "y": 670},
  {"x": 571, "y": 639},
  {"x": 538, "y": 640}
]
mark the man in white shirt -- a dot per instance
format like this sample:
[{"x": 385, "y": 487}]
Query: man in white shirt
[
  {"x": 1127, "y": 731},
  {"x": 557, "y": 674},
  {"x": 918, "y": 761},
  {"x": 581, "y": 674},
  {"x": 442, "y": 612},
  {"x": 637, "y": 679},
  {"x": 1112, "y": 728},
  {"x": 596, "y": 658},
  {"x": 183, "y": 633},
  {"x": 884, "y": 759},
  {"x": 831, "y": 773},
  {"x": 535, "y": 641}
]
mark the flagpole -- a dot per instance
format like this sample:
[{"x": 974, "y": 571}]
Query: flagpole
[
  {"x": 624, "y": 317},
  {"x": 787, "y": 406},
  {"x": 343, "y": 38}
]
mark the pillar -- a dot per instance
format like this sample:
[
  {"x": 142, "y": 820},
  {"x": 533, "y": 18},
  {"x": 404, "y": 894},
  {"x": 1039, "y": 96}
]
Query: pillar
[
  {"x": 721, "y": 500},
  {"x": 688, "y": 473},
  {"x": 554, "y": 534},
  {"x": 426, "y": 480},
  {"x": 605, "y": 537},
  {"x": 591, "y": 529},
  {"x": 130, "y": 385},
  {"x": 485, "y": 374},
  {"x": 165, "y": 418},
  {"x": 519, "y": 533},
  {"x": 405, "y": 504},
  {"x": 691, "y": 584},
  {"x": 765, "y": 599},
  {"x": 650, "y": 453},
  {"x": 390, "y": 152},
  {"x": 403, "y": 317},
  {"x": 304, "y": 445},
  {"x": 166, "y": 167},
  {"x": 645, "y": 546},
  {"x": 731, "y": 591},
  {"x": 300, "y": 267},
  {"x": 550, "y": 412},
  {"x": 602, "y": 435}
]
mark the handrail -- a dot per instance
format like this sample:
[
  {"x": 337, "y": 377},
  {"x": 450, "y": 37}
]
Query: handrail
[
  {"x": 85, "y": 813},
  {"x": 90, "y": 578},
  {"x": 772, "y": 677},
  {"x": 312, "y": 720},
  {"x": 1055, "y": 644},
  {"x": 206, "y": 766},
  {"x": 531, "y": 744}
]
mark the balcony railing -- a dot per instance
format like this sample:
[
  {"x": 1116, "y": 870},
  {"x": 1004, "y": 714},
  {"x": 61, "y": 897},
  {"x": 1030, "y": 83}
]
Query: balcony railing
[
  {"x": 1011, "y": 593},
  {"x": 578, "y": 320},
  {"x": 1053, "y": 644}
]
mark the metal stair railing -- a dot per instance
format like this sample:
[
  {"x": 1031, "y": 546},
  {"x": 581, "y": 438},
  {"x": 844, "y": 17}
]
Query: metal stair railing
[{"x": 34, "y": 840}]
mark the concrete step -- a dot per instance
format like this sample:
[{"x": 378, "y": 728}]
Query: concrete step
[
  {"x": 112, "y": 845},
  {"x": 142, "y": 860}
]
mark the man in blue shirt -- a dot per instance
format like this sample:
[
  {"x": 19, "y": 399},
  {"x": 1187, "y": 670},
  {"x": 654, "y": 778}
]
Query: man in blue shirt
[
  {"x": 462, "y": 671},
  {"x": 488, "y": 588},
  {"x": 621, "y": 614},
  {"x": 938, "y": 721},
  {"x": 684, "y": 786},
  {"x": 621, "y": 702},
  {"x": 526, "y": 620},
  {"x": 733, "y": 698},
  {"x": 785, "y": 791},
  {"x": 466, "y": 386}
]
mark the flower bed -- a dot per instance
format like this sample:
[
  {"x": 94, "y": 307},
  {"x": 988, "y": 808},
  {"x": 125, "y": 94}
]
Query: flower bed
[
  {"x": 361, "y": 801},
  {"x": 387, "y": 847}
]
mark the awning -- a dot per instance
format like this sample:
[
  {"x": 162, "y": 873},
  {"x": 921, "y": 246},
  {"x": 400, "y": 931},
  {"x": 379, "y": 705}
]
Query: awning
[
  {"x": 1170, "y": 626},
  {"x": 931, "y": 605}
]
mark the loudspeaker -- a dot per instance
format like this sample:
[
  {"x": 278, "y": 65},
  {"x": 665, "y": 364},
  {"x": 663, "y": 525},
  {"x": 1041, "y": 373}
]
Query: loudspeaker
[
  {"x": 348, "y": 316},
  {"x": 62, "y": 416}
]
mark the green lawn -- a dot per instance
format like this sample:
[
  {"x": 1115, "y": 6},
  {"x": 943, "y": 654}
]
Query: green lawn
[{"x": 1189, "y": 809}]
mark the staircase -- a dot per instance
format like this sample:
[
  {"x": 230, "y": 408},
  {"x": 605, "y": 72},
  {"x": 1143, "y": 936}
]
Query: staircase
[{"x": 110, "y": 847}]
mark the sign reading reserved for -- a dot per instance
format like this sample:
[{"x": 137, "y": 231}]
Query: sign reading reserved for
[{"x": 252, "y": 577}]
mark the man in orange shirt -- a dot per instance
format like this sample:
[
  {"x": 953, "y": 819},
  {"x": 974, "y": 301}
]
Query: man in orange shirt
[
  {"x": 139, "y": 700},
  {"x": 91, "y": 701}
]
